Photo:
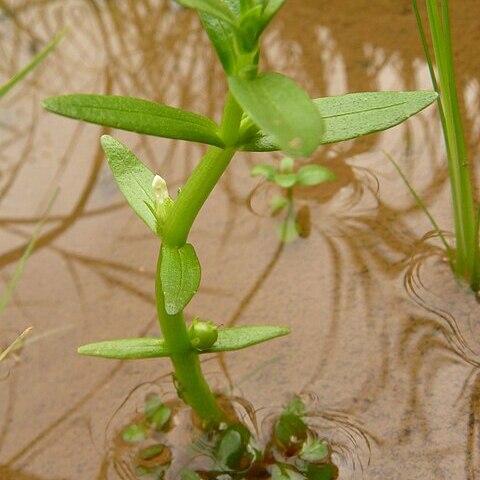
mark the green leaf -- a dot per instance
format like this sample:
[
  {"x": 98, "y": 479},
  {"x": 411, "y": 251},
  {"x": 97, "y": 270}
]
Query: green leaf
[
  {"x": 223, "y": 39},
  {"x": 353, "y": 115},
  {"x": 266, "y": 171},
  {"x": 157, "y": 413},
  {"x": 133, "y": 178},
  {"x": 285, "y": 180},
  {"x": 311, "y": 175},
  {"x": 36, "y": 60},
  {"x": 236, "y": 338},
  {"x": 180, "y": 274},
  {"x": 188, "y": 474},
  {"x": 229, "y": 339},
  {"x": 149, "y": 453},
  {"x": 135, "y": 433},
  {"x": 322, "y": 472},
  {"x": 286, "y": 473},
  {"x": 314, "y": 450},
  {"x": 271, "y": 9},
  {"x": 290, "y": 429},
  {"x": 232, "y": 446},
  {"x": 215, "y": 8},
  {"x": 136, "y": 115},
  {"x": 126, "y": 349},
  {"x": 281, "y": 109}
]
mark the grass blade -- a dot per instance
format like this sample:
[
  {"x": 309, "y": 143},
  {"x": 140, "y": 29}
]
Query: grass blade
[
  {"x": 12, "y": 347},
  {"x": 422, "y": 206},
  {"x": 26, "y": 70}
]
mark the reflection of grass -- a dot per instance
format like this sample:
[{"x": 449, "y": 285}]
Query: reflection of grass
[{"x": 465, "y": 262}]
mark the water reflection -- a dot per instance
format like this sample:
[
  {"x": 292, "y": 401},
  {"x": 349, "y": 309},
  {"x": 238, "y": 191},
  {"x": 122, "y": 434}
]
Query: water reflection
[{"x": 372, "y": 356}]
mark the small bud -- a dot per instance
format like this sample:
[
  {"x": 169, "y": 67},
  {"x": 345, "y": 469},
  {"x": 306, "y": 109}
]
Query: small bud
[
  {"x": 163, "y": 202},
  {"x": 160, "y": 189},
  {"x": 202, "y": 335}
]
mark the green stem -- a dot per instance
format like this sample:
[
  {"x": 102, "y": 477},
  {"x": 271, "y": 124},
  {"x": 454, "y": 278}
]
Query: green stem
[
  {"x": 203, "y": 179},
  {"x": 190, "y": 382}
]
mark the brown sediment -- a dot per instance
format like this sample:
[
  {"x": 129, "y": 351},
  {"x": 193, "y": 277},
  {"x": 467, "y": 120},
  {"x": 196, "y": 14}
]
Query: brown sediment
[{"x": 382, "y": 337}]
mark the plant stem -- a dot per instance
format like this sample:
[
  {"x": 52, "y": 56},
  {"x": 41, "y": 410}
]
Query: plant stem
[
  {"x": 190, "y": 382},
  {"x": 203, "y": 179}
]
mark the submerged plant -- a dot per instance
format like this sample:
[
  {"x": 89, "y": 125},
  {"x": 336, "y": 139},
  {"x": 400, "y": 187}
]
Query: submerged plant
[
  {"x": 464, "y": 257},
  {"x": 289, "y": 228},
  {"x": 263, "y": 112}
]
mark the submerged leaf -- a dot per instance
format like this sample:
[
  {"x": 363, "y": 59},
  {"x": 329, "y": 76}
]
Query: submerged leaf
[
  {"x": 133, "y": 178},
  {"x": 266, "y": 171},
  {"x": 136, "y": 115},
  {"x": 135, "y": 433},
  {"x": 353, "y": 115},
  {"x": 311, "y": 175},
  {"x": 281, "y": 109},
  {"x": 180, "y": 273}
]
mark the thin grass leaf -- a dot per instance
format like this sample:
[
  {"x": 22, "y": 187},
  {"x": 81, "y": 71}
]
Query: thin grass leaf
[
  {"x": 133, "y": 178},
  {"x": 136, "y": 115},
  {"x": 281, "y": 109},
  {"x": 36, "y": 60},
  {"x": 15, "y": 345},
  {"x": 353, "y": 115},
  {"x": 422, "y": 206}
]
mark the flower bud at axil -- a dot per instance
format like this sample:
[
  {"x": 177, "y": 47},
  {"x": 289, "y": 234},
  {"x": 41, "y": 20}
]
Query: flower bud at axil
[
  {"x": 203, "y": 335},
  {"x": 163, "y": 202}
]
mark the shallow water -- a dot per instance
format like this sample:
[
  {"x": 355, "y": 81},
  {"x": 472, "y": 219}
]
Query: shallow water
[{"x": 383, "y": 340}]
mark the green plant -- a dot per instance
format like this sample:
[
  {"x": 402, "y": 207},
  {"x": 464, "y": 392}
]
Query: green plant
[
  {"x": 464, "y": 258},
  {"x": 12, "y": 283},
  {"x": 263, "y": 112},
  {"x": 286, "y": 178}
]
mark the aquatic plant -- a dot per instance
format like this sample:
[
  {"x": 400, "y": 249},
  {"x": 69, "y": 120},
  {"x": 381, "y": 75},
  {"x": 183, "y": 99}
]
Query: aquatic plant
[
  {"x": 263, "y": 112},
  {"x": 464, "y": 256},
  {"x": 289, "y": 229},
  {"x": 12, "y": 283}
]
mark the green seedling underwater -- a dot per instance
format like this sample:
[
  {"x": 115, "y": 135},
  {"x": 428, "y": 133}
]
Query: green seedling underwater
[
  {"x": 464, "y": 257},
  {"x": 289, "y": 228},
  {"x": 264, "y": 111},
  {"x": 12, "y": 283}
]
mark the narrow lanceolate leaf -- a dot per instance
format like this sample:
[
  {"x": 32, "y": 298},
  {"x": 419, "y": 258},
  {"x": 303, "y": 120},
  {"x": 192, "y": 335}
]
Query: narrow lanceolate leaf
[
  {"x": 353, "y": 115},
  {"x": 180, "y": 275},
  {"x": 282, "y": 110},
  {"x": 128, "y": 348},
  {"x": 229, "y": 339},
  {"x": 236, "y": 338},
  {"x": 133, "y": 178},
  {"x": 136, "y": 115},
  {"x": 36, "y": 60},
  {"x": 215, "y": 8},
  {"x": 223, "y": 40}
]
